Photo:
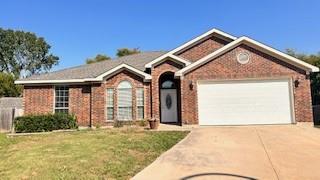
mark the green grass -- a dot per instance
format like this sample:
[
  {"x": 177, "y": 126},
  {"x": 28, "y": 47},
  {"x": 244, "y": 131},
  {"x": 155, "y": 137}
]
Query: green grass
[{"x": 100, "y": 154}]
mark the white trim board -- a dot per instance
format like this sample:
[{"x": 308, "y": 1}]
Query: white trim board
[
  {"x": 145, "y": 76},
  {"x": 250, "y": 42},
  {"x": 189, "y": 43},
  {"x": 173, "y": 58}
]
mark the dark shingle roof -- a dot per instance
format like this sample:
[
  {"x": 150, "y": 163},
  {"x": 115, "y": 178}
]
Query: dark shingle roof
[{"x": 93, "y": 70}]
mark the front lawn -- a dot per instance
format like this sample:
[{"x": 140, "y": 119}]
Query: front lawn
[{"x": 100, "y": 154}]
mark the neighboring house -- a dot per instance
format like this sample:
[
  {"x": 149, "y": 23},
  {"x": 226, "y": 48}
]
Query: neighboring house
[{"x": 214, "y": 79}]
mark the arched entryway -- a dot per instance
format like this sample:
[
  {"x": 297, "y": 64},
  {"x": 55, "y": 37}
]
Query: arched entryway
[{"x": 169, "y": 89}]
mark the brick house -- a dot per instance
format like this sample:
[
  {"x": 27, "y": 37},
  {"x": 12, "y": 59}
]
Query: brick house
[{"x": 214, "y": 79}]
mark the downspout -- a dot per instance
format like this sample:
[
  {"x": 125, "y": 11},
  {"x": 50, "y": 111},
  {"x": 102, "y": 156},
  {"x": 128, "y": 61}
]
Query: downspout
[{"x": 90, "y": 106}]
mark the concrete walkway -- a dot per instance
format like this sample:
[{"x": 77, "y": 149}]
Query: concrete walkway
[{"x": 242, "y": 152}]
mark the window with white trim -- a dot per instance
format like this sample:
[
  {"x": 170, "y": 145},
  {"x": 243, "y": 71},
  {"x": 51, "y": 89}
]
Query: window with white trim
[
  {"x": 61, "y": 104},
  {"x": 109, "y": 104},
  {"x": 124, "y": 93},
  {"x": 140, "y": 103}
]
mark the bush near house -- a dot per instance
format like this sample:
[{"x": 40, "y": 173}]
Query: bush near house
[{"x": 42, "y": 123}]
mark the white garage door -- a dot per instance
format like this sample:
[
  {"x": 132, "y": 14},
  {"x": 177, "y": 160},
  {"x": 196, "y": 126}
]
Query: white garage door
[{"x": 244, "y": 102}]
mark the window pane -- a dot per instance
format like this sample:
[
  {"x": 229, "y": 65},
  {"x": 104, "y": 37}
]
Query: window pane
[
  {"x": 61, "y": 99},
  {"x": 140, "y": 97},
  {"x": 140, "y": 103},
  {"x": 109, "y": 104},
  {"x": 125, "y": 113},
  {"x": 167, "y": 84},
  {"x": 110, "y": 97},
  {"x": 110, "y": 113},
  {"x": 125, "y": 97},
  {"x": 140, "y": 112},
  {"x": 61, "y": 111},
  {"x": 124, "y": 101}
]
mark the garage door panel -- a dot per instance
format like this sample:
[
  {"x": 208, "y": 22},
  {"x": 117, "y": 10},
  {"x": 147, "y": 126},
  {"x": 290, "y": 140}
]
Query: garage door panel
[{"x": 244, "y": 102}]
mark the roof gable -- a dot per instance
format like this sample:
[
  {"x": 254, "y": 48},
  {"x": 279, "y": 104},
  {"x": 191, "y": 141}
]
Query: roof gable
[
  {"x": 212, "y": 32},
  {"x": 251, "y": 43}
]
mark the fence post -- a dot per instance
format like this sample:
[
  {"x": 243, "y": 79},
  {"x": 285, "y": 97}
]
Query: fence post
[{"x": 12, "y": 121}]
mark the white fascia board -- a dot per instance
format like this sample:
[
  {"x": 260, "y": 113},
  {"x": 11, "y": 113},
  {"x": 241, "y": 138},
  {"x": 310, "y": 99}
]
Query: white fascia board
[
  {"x": 180, "y": 59},
  {"x": 281, "y": 55},
  {"x": 53, "y": 81},
  {"x": 149, "y": 65},
  {"x": 145, "y": 76},
  {"x": 172, "y": 57},
  {"x": 250, "y": 42},
  {"x": 124, "y": 66}
]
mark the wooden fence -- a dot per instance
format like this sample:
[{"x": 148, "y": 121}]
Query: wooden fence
[{"x": 7, "y": 116}]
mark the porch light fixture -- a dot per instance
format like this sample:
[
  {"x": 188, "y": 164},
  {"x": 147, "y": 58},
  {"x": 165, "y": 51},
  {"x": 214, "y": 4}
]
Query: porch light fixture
[
  {"x": 190, "y": 85},
  {"x": 296, "y": 83}
]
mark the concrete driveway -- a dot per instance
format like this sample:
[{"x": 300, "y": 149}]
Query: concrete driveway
[{"x": 242, "y": 152}]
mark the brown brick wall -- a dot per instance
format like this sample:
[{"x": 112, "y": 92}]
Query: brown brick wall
[
  {"x": 79, "y": 101},
  {"x": 202, "y": 49},
  {"x": 260, "y": 66},
  {"x": 167, "y": 66},
  {"x": 38, "y": 99}
]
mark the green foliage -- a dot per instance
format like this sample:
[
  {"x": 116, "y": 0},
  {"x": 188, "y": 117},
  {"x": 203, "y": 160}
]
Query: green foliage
[
  {"x": 118, "y": 124},
  {"x": 98, "y": 126},
  {"x": 120, "y": 53},
  {"x": 313, "y": 59},
  {"x": 48, "y": 122},
  {"x": 126, "y": 51},
  {"x": 7, "y": 86},
  {"x": 23, "y": 53},
  {"x": 98, "y": 58},
  {"x": 142, "y": 122}
]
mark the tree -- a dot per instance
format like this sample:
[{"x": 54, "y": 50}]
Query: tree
[
  {"x": 98, "y": 58},
  {"x": 313, "y": 59},
  {"x": 7, "y": 86},
  {"x": 126, "y": 51},
  {"x": 23, "y": 53}
]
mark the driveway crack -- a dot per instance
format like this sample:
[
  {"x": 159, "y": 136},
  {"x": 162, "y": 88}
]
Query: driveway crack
[{"x": 265, "y": 150}]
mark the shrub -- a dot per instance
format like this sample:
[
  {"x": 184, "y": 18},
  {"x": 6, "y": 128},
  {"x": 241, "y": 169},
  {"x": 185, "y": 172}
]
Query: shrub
[
  {"x": 118, "y": 124},
  {"x": 48, "y": 122},
  {"x": 142, "y": 123}
]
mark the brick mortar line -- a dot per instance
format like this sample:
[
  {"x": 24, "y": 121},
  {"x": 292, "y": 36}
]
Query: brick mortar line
[{"x": 265, "y": 150}]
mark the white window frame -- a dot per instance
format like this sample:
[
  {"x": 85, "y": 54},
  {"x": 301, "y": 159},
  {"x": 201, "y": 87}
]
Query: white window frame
[
  {"x": 109, "y": 106},
  {"x": 124, "y": 85},
  {"x": 139, "y": 105},
  {"x": 55, "y": 96}
]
